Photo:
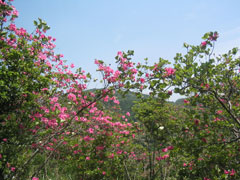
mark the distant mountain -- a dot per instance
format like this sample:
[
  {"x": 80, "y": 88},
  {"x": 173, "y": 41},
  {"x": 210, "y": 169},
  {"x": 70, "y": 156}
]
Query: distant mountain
[
  {"x": 128, "y": 100},
  {"x": 179, "y": 101}
]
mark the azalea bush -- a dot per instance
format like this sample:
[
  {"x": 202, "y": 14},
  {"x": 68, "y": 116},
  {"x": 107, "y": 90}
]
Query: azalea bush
[
  {"x": 206, "y": 132},
  {"x": 211, "y": 83},
  {"x": 53, "y": 126},
  {"x": 47, "y": 113}
]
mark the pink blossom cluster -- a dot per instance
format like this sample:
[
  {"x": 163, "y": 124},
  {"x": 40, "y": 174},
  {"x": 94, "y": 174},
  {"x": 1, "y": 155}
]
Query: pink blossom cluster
[
  {"x": 231, "y": 173},
  {"x": 170, "y": 71}
]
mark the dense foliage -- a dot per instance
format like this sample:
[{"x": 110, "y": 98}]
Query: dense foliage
[{"x": 53, "y": 127}]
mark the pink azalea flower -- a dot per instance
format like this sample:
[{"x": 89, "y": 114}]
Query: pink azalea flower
[
  {"x": 165, "y": 150},
  {"x": 134, "y": 71},
  {"x": 72, "y": 96},
  {"x": 207, "y": 86},
  {"x": 119, "y": 151},
  {"x": 111, "y": 156},
  {"x": 15, "y": 12},
  {"x": 13, "y": 169},
  {"x": 165, "y": 156},
  {"x": 142, "y": 80},
  {"x": 204, "y": 43},
  {"x": 91, "y": 130},
  {"x": 42, "y": 56},
  {"x": 100, "y": 147},
  {"x": 116, "y": 102},
  {"x": 87, "y": 138},
  {"x": 170, "y": 71},
  {"x": 44, "y": 89},
  {"x": 233, "y": 172},
  {"x": 226, "y": 172},
  {"x": 120, "y": 53},
  {"x": 106, "y": 99},
  {"x": 12, "y": 27},
  {"x": 219, "y": 112}
]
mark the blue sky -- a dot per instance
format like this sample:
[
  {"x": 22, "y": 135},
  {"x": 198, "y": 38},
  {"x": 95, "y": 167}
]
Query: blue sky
[{"x": 96, "y": 29}]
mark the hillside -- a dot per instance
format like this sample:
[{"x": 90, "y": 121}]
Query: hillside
[{"x": 128, "y": 100}]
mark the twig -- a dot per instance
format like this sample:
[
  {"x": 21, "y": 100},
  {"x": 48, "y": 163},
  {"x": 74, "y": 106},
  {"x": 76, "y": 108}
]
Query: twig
[{"x": 126, "y": 170}]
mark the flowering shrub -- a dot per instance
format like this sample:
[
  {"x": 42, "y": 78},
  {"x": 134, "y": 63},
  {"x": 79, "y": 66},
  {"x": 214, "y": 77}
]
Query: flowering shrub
[
  {"x": 49, "y": 118},
  {"x": 46, "y": 109}
]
